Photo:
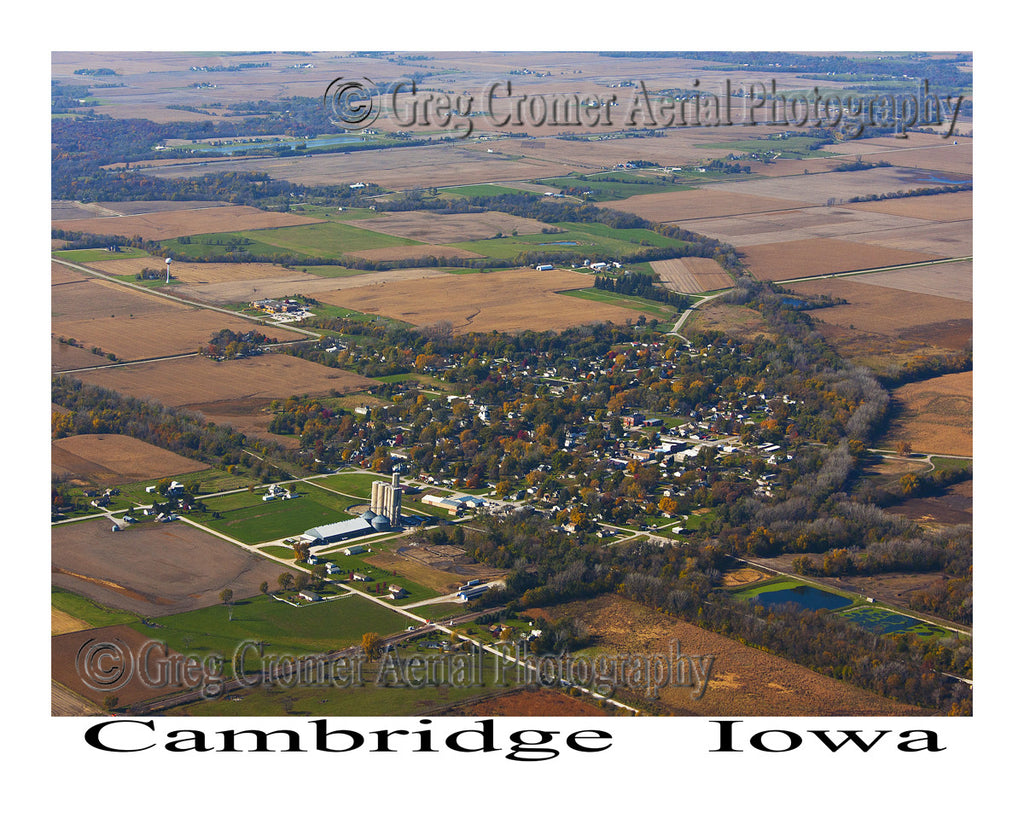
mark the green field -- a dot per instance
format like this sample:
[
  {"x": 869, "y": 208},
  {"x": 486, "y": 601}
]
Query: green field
[
  {"x": 591, "y": 239},
  {"x": 326, "y": 240},
  {"x": 86, "y": 610},
  {"x": 477, "y": 190},
  {"x": 792, "y": 147},
  {"x": 613, "y": 185},
  {"x": 245, "y": 517},
  {"x": 664, "y": 312},
  {"x": 327, "y": 626},
  {"x": 882, "y": 621},
  {"x": 99, "y": 255}
]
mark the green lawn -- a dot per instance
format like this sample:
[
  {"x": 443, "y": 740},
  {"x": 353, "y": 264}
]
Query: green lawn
[
  {"x": 664, "y": 312},
  {"x": 328, "y": 626}
]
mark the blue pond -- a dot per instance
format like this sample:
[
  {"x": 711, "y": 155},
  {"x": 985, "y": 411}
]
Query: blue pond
[{"x": 806, "y": 597}]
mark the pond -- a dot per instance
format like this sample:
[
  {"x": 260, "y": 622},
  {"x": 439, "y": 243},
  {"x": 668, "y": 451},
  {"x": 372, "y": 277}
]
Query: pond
[{"x": 807, "y": 597}]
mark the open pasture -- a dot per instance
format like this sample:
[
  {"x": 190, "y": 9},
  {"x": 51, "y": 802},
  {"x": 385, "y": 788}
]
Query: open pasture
[
  {"x": 115, "y": 459},
  {"x": 134, "y": 325},
  {"x": 507, "y": 301},
  {"x": 818, "y": 257},
  {"x": 415, "y": 252},
  {"x": 167, "y": 224},
  {"x": 153, "y": 568}
]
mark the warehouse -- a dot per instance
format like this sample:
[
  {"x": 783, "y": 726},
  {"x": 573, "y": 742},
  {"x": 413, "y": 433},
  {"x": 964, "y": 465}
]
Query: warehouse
[{"x": 333, "y": 532}]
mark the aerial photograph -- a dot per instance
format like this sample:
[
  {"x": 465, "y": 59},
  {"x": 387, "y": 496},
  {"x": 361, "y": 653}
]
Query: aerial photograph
[{"x": 481, "y": 384}]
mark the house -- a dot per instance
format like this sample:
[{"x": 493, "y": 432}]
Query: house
[
  {"x": 397, "y": 592},
  {"x": 355, "y": 549}
]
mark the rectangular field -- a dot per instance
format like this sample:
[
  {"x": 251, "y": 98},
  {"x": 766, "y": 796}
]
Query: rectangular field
[
  {"x": 818, "y": 257},
  {"x": 692, "y": 274},
  {"x": 133, "y": 325},
  {"x": 704, "y": 203},
  {"x": 167, "y": 224},
  {"x": 507, "y": 301},
  {"x": 435, "y": 228},
  {"x": 116, "y": 459},
  {"x": 152, "y": 568},
  {"x": 953, "y": 280},
  {"x": 936, "y": 415}
]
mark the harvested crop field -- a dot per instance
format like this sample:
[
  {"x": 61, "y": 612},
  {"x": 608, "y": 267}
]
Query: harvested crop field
[
  {"x": 218, "y": 388},
  {"x": 169, "y": 224},
  {"x": 540, "y": 703},
  {"x": 437, "y": 228},
  {"x": 116, "y": 459},
  {"x": 797, "y": 223},
  {"x": 387, "y": 254},
  {"x": 198, "y": 272},
  {"x": 952, "y": 280},
  {"x": 68, "y": 357},
  {"x": 820, "y": 188},
  {"x": 705, "y": 203},
  {"x": 391, "y": 168},
  {"x": 954, "y": 506},
  {"x": 819, "y": 257},
  {"x": 132, "y": 324},
  {"x": 153, "y": 568},
  {"x": 692, "y": 274},
  {"x": 936, "y": 415},
  {"x": 926, "y": 319},
  {"x": 506, "y": 301},
  {"x": 744, "y": 681},
  {"x": 732, "y": 319},
  {"x": 943, "y": 239},
  {"x": 63, "y": 623},
  {"x": 67, "y": 651},
  {"x": 944, "y": 207}
]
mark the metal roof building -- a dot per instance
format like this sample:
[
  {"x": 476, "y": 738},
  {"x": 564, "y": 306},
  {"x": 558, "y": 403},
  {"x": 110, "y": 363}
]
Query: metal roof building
[{"x": 338, "y": 531}]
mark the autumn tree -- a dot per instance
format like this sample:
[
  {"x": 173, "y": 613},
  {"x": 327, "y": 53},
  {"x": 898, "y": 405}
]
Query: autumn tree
[{"x": 372, "y": 644}]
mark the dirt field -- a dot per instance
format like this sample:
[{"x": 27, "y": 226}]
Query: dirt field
[
  {"x": 677, "y": 206},
  {"x": 740, "y": 577},
  {"x": 63, "y": 209},
  {"x": 222, "y": 390},
  {"x": 943, "y": 239},
  {"x": 168, "y": 224},
  {"x": 116, "y": 459},
  {"x": 133, "y": 324},
  {"x": 70, "y": 667},
  {"x": 440, "y": 229},
  {"x": 944, "y": 207},
  {"x": 936, "y": 415},
  {"x": 692, "y": 275},
  {"x": 815, "y": 257},
  {"x": 924, "y": 319},
  {"x": 744, "y": 681},
  {"x": 65, "y": 357},
  {"x": 952, "y": 280},
  {"x": 417, "y": 572},
  {"x": 506, "y": 301},
  {"x": 955, "y": 506},
  {"x": 153, "y": 568},
  {"x": 198, "y": 272},
  {"x": 540, "y": 703}
]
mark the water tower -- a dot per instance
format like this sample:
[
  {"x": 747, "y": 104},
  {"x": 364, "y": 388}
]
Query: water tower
[{"x": 168, "y": 261}]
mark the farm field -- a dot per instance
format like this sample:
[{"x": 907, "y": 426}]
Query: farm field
[
  {"x": 925, "y": 320},
  {"x": 943, "y": 207},
  {"x": 953, "y": 280},
  {"x": 388, "y": 254},
  {"x": 440, "y": 229},
  {"x": 134, "y": 325},
  {"x": 391, "y": 168},
  {"x": 691, "y": 274},
  {"x": 169, "y": 223},
  {"x": 816, "y": 257},
  {"x": 744, "y": 680},
  {"x": 152, "y": 568},
  {"x": 936, "y": 415},
  {"x": 954, "y": 506},
  {"x": 115, "y": 459},
  {"x": 232, "y": 392},
  {"x": 705, "y": 203},
  {"x": 540, "y": 703},
  {"x": 734, "y": 319},
  {"x": 70, "y": 357},
  {"x": 507, "y": 301}
]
